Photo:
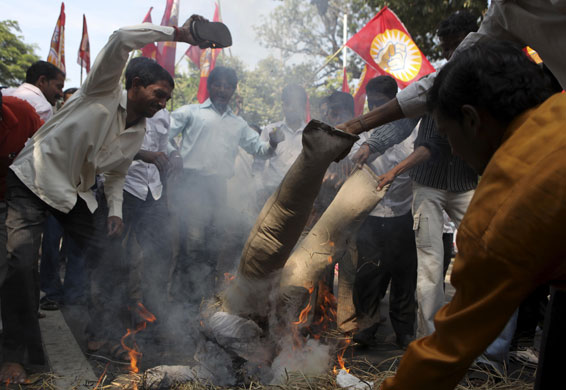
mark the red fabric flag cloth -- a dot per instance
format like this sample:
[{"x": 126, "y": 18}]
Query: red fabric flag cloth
[
  {"x": 206, "y": 61},
  {"x": 345, "y": 86},
  {"x": 84, "y": 49},
  {"x": 308, "y": 110},
  {"x": 149, "y": 50},
  {"x": 385, "y": 45},
  {"x": 57, "y": 50},
  {"x": 166, "y": 50},
  {"x": 360, "y": 94}
]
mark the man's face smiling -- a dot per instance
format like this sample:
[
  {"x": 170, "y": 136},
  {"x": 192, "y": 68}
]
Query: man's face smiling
[
  {"x": 152, "y": 98},
  {"x": 51, "y": 89}
]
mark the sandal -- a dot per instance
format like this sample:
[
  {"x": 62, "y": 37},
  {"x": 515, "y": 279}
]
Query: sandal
[
  {"x": 211, "y": 34},
  {"x": 48, "y": 304}
]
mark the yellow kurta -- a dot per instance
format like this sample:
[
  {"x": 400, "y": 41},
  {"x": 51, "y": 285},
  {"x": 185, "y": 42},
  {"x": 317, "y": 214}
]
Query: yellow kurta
[{"x": 511, "y": 240}]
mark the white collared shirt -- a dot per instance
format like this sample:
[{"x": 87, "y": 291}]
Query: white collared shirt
[
  {"x": 397, "y": 200},
  {"x": 284, "y": 155},
  {"x": 33, "y": 95},
  {"x": 210, "y": 139},
  {"x": 143, "y": 177},
  {"x": 88, "y": 136}
]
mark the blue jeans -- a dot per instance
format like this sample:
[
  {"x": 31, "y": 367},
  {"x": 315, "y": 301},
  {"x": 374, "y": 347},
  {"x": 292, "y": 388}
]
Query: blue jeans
[{"x": 72, "y": 290}]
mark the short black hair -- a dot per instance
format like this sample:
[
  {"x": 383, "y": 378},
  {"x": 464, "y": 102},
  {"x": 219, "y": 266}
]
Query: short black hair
[
  {"x": 459, "y": 23},
  {"x": 70, "y": 91},
  {"x": 383, "y": 84},
  {"x": 294, "y": 90},
  {"x": 344, "y": 99},
  {"x": 496, "y": 76},
  {"x": 149, "y": 72},
  {"x": 42, "y": 68},
  {"x": 222, "y": 72}
]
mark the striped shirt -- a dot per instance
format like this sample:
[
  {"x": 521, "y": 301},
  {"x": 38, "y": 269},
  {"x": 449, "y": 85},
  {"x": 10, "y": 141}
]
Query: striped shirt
[
  {"x": 390, "y": 134},
  {"x": 443, "y": 171}
]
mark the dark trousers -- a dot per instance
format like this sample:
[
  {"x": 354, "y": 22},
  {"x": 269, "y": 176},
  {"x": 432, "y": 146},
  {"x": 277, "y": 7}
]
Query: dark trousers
[
  {"x": 200, "y": 214},
  {"x": 24, "y": 223},
  {"x": 73, "y": 290},
  {"x": 387, "y": 252},
  {"x": 147, "y": 250}
]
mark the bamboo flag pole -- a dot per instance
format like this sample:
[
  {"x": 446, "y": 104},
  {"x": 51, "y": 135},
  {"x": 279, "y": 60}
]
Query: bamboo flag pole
[{"x": 330, "y": 59}]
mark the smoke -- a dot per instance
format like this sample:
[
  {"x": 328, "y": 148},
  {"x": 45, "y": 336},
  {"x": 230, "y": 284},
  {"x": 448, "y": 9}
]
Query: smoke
[{"x": 312, "y": 359}]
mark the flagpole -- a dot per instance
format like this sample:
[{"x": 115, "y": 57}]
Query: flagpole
[
  {"x": 330, "y": 59},
  {"x": 345, "y": 37}
]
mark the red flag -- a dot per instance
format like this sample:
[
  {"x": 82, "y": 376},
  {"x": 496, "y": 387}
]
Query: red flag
[
  {"x": 308, "y": 110},
  {"x": 166, "y": 50},
  {"x": 57, "y": 50},
  {"x": 149, "y": 50},
  {"x": 206, "y": 61},
  {"x": 84, "y": 49},
  {"x": 385, "y": 45},
  {"x": 360, "y": 93},
  {"x": 345, "y": 86}
]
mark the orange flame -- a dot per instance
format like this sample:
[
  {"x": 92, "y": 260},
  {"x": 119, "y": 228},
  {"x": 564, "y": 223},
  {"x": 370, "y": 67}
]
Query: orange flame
[
  {"x": 134, "y": 351},
  {"x": 228, "y": 276},
  {"x": 303, "y": 316},
  {"x": 340, "y": 357},
  {"x": 330, "y": 261},
  {"x": 101, "y": 376}
]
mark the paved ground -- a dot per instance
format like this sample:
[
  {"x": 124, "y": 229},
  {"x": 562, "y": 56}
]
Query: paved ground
[{"x": 63, "y": 334}]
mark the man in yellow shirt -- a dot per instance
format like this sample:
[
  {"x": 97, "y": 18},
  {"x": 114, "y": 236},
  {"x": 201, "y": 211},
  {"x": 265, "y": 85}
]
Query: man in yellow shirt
[{"x": 501, "y": 116}]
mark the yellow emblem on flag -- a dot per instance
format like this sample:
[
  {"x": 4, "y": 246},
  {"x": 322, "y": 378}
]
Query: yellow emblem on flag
[{"x": 397, "y": 54}]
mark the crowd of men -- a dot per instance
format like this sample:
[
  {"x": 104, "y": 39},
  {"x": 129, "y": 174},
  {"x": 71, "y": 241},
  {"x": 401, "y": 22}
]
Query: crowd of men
[{"x": 147, "y": 206}]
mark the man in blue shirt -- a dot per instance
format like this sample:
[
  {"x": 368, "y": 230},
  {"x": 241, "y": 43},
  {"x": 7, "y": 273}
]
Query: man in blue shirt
[{"x": 210, "y": 137}]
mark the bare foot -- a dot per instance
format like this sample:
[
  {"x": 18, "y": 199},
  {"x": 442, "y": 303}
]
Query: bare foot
[{"x": 12, "y": 373}]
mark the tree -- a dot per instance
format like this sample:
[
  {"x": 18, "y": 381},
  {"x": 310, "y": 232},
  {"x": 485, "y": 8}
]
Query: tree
[
  {"x": 15, "y": 55},
  {"x": 314, "y": 30}
]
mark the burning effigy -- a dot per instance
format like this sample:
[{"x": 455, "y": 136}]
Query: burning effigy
[{"x": 265, "y": 322}]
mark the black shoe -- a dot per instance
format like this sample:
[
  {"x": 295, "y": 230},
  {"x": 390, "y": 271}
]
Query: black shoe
[
  {"x": 366, "y": 337},
  {"x": 211, "y": 34},
  {"x": 404, "y": 340}
]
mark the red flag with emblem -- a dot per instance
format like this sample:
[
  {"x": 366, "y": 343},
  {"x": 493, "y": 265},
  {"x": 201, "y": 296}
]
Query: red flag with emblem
[
  {"x": 166, "y": 50},
  {"x": 57, "y": 50},
  {"x": 385, "y": 45},
  {"x": 84, "y": 49},
  {"x": 360, "y": 93},
  {"x": 149, "y": 50},
  {"x": 204, "y": 59}
]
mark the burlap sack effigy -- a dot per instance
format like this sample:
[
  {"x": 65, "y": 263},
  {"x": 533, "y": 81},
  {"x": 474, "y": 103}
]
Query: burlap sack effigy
[
  {"x": 328, "y": 239},
  {"x": 282, "y": 219}
]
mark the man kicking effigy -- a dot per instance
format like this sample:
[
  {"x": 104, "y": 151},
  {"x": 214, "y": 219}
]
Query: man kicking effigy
[{"x": 98, "y": 131}]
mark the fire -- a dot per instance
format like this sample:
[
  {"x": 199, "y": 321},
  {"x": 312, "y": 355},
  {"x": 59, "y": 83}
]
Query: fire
[
  {"x": 340, "y": 357},
  {"x": 134, "y": 351},
  {"x": 330, "y": 260},
  {"x": 304, "y": 314},
  {"x": 228, "y": 276},
  {"x": 101, "y": 377}
]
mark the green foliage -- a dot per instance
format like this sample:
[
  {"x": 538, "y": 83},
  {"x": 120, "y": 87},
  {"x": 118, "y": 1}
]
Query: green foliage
[
  {"x": 421, "y": 17},
  {"x": 15, "y": 55},
  {"x": 297, "y": 27}
]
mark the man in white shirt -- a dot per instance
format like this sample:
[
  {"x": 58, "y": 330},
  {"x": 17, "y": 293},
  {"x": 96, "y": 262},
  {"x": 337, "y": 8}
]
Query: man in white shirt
[
  {"x": 386, "y": 242},
  {"x": 98, "y": 131},
  {"x": 148, "y": 238},
  {"x": 43, "y": 87},
  {"x": 211, "y": 136},
  {"x": 294, "y": 100}
]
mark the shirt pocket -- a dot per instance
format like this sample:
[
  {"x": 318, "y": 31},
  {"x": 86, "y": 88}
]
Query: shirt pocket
[{"x": 422, "y": 231}]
